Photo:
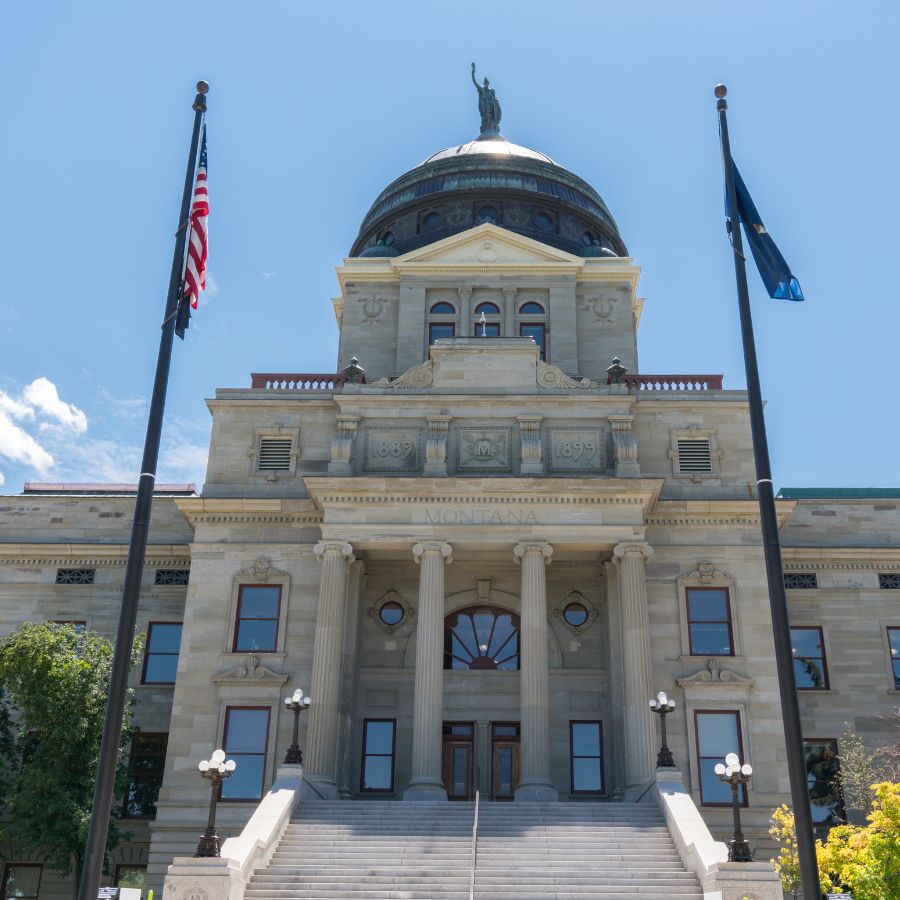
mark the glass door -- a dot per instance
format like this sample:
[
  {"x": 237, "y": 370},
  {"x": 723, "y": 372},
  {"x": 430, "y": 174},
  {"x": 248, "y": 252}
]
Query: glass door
[
  {"x": 459, "y": 747},
  {"x": 504, "y": 760}
]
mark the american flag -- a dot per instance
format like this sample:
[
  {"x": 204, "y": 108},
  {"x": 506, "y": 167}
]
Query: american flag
[{"x": 198, "y": 236}]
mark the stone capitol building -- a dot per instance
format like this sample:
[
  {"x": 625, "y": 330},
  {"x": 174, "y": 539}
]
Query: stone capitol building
[{"x": 481, "y": 546}]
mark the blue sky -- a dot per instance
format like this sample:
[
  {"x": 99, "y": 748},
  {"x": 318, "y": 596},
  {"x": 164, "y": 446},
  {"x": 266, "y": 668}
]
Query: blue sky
[{"x": 315, "y": 107}]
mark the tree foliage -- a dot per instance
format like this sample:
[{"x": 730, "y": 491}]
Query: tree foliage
[
  {"x": 864, "y": 860},
  {"x": 56, "y": 680},
  {"x": 857, "y": 773}
]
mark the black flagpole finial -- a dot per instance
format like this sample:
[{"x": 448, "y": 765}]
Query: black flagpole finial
[
  {"x": 200, "y": 99},
  {"x": 720, "y": 92}
]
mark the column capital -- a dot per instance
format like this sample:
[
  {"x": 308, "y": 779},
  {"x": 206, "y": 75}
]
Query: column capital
[
  {"x": 423, "y": 547},
  {"x": 323, "y": 548},
  {"x": 524, "y": 547},
  {"x": 641, "y": 547}
]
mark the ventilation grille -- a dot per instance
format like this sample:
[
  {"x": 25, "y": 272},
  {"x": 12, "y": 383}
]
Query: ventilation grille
[
  {"x": 889, "y": 581},
  {"x": 694, "y": 457},
  {"x": 172, "y": 576},
  {"x": 75, "y": 576},
  {"x": 274, "y": 455},
  {"x": 799, "y": 581}
]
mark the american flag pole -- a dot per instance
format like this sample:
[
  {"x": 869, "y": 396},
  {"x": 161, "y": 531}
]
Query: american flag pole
[{"x": 95, "y": 847}]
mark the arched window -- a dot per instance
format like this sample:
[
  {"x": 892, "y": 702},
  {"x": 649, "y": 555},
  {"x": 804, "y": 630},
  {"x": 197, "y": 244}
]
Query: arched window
[
  {"x": 531, "y": 309},
  {"x": 481, "y": 637},
  {"x": 488, "y": 214},
  {"x": 443, "y": 308},
  {"x": 489, "y": 309}
]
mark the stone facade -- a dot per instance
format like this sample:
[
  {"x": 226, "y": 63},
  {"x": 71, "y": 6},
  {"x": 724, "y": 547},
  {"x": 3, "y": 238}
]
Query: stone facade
[{"x": 470, "y": 473}]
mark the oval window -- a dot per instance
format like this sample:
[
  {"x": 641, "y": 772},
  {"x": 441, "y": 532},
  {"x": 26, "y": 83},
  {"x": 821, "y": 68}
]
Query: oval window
[
  {"x": 388, "y": 239},
  {"x": 391, "y": 613},
  {"x": 575, "y": 615},
  {"x": 543, "y": 221},
  {"x": 588, "y": 239},
  {"x": 431, "y": 221},
  {"x": 531, "y": 309},
  {"x": 443, "y": 308},
  {"x": 488, "y": 214},
  {"x": 489, "y": 309}
]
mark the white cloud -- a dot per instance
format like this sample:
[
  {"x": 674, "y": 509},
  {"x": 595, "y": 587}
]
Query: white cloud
[
  {"x": 270, "y": 276},
  {"x": 42, "y": 395},
  {"x": 210, "y": 292},
  {"x": 18, "y": 445},
  {"x": 2, "y": 480}
]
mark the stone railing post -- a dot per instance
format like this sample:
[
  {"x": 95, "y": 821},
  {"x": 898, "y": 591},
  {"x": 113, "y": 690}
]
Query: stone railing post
[
  {"x": 636, "y": 660},
  {"x": 428, "y": 703},
  {"x": 325, "y": 686},
  {"x": 534, "y": 680}
]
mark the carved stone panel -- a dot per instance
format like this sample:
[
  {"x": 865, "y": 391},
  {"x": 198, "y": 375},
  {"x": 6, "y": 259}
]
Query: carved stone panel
[
  {"x": 576, "y": 450},
  {"x": 483, "y": 450},
  {"x": 392, "y": 450}
]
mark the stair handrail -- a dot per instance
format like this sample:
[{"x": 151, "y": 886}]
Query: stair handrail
[{"x": 474, "y": 837}]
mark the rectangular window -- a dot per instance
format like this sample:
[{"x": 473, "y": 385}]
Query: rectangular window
[
  {"x": 810, "y": 669},
  {"x": 256, "y": 628},
  {"x": 246, "y": 741},
  {"x": 800, "y": 581},
  {"x": 709, "y": 621},
  {"x": 894, "y": 643},
  {"x": 538, "y": 332},
  {"x": 694, "y": 456},
  {"x": 440, "y": 330},
  {"x": 131, "y": 877},
  {"x": 379, "y": 737},
  {"x": 145, "y": 773},
  {"x": 274, "y": 454},
  {"x": 161, "y": 656},
  {"x": 889, "y": 581},
  {"x": 172, "y": 576},
  {"x": 489, "y": 329},
  {"x": 20, "y": 880},
  {"x": 586, "y": 757},
  {"x": 75, "y": 576},
  {"x": 718, "y": 734},
  {"x": 822, "y": 781}
]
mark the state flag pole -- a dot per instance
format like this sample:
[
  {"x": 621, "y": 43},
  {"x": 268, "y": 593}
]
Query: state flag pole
[
  {"x": 95, "y": 847},
  {"x": 790, "y": 708}
]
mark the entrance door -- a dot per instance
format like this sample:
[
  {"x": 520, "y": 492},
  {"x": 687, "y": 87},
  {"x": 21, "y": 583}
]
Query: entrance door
[
  {"x": 459, "y": 752},
  {"x": 504, "y": 760}
]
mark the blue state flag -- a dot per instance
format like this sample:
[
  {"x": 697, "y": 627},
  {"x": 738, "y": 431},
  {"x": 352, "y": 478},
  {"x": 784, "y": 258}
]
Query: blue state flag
[{"x": 773, "y": 268}]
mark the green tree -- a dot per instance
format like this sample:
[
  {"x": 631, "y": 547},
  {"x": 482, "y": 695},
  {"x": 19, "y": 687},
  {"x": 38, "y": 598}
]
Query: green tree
[
  {"x": 856, "y": 775},
  {"x": 56, "y": 680}
]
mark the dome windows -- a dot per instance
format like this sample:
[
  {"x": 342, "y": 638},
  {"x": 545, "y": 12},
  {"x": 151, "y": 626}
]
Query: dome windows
[
  {"x": 544, "y": 221},
  {"x": 488, "y": 214},
  {"x": 431, "y": 222}
]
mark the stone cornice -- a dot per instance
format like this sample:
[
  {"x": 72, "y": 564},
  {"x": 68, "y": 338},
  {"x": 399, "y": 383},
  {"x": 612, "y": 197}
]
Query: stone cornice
[
  {"x": 232, "y": 511},
  {"x": 713, "y": 513},
  {"x": 880, "y": 559},
  {"x": 174, "y": 556}
]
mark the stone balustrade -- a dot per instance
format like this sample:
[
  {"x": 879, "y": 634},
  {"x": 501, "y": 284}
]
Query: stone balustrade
[
  {"x": 279, "y": 381},
  {"x": 672, "y": 382}
]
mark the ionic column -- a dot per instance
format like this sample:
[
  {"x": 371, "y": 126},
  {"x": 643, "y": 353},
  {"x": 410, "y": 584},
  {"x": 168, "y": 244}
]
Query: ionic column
[
  {"x": 428, "y": 703},
  {"x": 534, "y": 678},
  {"x": 325, "y": 684},
  {"x": 636, "y": 661}
]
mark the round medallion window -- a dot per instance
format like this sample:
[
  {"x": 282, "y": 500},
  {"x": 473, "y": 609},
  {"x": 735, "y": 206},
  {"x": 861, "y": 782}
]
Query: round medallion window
[
  {"x": 575, "y": 615},
  {"x": 391, "y": 613},
  {"x": 543, "y": 221}
]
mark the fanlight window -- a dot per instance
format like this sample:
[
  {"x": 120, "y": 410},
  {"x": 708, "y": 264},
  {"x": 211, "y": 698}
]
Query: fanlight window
[
  {"x": 531, "y": 309},
  {"x": 489, "y": 309},
  {"x": 442, "y": 308},
  {"x": 481, "y": 637}
]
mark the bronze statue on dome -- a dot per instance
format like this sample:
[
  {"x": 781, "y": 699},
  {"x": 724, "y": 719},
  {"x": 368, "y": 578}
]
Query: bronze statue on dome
[{"x": 488, "y": 106}]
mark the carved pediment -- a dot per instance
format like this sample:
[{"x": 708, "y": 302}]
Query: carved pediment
[
  {"x": 250, "y": 673},
  {"x": 262, "y": 570},
  {"x": 715, "y": 676},
  {"x": 487, "y": 245},
  {"x": 707, "y": 573}
]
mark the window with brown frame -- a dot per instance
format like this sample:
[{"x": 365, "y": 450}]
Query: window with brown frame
[
  {"x": 586, "y": 757},
  {"x": 21, "y": 881},
  {"x": 256, "y": 624},
  {"x": 378, "y": 748},
  {"x": 246, "y": 741},
  {"x": 161, "y": 655},
  {"x": 822, "y": 780},
  {"x": 145, "y": 772},
  {"x": 709, "y": 621},
  {"x": 810, "y": 668},
  {"x": 717, "y": 733},
  {"x": 894, "y": 644}
]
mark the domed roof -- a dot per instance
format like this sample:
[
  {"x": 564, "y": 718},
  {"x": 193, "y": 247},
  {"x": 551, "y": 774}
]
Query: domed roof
[{"x": 489, "y": 179}]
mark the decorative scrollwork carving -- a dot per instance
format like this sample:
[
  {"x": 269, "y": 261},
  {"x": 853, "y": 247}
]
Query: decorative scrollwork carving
[
  {"x": 553, "y": 377},
  {"x": 421, "y": 376}
]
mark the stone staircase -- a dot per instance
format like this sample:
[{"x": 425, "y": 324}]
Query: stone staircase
[{"x": 423, "y": 851}]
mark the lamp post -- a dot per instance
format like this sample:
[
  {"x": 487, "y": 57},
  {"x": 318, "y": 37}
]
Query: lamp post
[
  {"x": 215, "y": 770},
  {"x": 297, "y": 704},
  {"x": 662, "y": 706},
  {"x": 735, "y": 774}
]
